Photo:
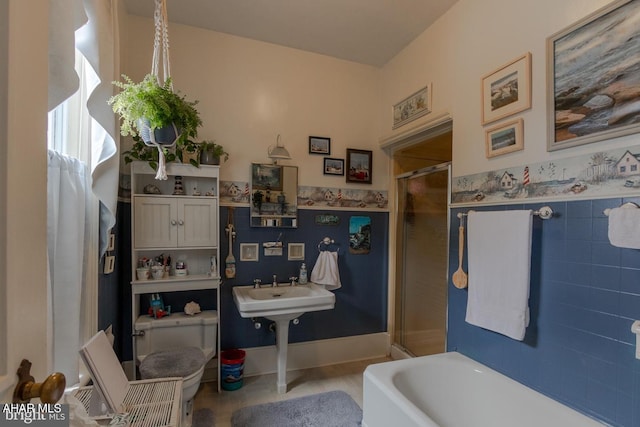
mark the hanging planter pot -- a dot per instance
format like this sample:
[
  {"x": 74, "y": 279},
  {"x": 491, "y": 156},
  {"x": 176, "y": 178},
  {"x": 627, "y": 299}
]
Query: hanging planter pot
[{"x": 167, "y": 135}]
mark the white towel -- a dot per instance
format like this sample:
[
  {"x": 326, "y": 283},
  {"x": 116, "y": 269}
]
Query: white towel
[
  {"x": 624, "y": 227},
  {"x": 325, "y": 272},
  {"x": 499, "y": 245}
]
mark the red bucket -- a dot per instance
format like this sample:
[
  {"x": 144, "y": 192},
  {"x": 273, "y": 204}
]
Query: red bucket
[{"x": 232, "y": 368}]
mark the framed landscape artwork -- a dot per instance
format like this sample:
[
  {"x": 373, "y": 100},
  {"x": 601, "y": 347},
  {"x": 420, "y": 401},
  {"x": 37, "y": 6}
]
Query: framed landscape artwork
[
  {"x": 507, "y": 90},
  {"x": 592, "y": 75},
  {"x": 505, "y": 138}
]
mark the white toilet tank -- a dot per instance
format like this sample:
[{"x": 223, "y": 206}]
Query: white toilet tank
[{"x": 177, "y": 330}]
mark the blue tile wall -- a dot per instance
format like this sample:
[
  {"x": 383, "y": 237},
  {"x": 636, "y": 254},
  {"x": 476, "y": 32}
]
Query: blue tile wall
[
  {"x": 584, "y": 296},
  {"x": 361, "y": 302}
]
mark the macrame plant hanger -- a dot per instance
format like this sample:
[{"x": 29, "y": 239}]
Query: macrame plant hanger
[{"x": 161, "y": 49}]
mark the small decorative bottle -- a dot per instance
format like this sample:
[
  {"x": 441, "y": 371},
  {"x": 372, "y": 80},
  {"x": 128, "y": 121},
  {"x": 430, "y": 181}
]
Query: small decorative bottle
[{"x": 302, "y": 277}]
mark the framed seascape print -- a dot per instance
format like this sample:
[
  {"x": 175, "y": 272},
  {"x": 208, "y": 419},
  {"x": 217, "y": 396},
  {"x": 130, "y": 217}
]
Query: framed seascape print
[
  {"x": 359, "y": 165},
  {"x": 319, "y": 145},
  {"x": 333, "y": 166},
  {"x": 507, "y": 90},
  {"x": 592, "y": 77},
  {"x": 415, "y": 105},
  {"x": 505, "y": 138}
]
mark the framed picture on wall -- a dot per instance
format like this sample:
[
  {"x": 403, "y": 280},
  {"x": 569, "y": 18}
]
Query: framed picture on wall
[
  {"x": 415, "y": 105},
  {"x": 359, "y": 165},
  {"x": 505, "y": 138},
  {"x": 507, "y": 90},
  {"x": 249, "y": 252},
  {"x": 592, "y": 77},
  {"x": 319, "y": 145},
  {"x": 333, "y": 166}
]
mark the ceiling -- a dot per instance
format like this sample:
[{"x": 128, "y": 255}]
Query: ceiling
[{"x": 365, "y": 31}]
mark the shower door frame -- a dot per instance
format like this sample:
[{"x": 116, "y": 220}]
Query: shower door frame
[{"x": 399, "y": 273}]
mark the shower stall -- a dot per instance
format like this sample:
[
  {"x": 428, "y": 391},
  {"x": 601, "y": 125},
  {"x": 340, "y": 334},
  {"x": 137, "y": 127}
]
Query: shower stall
[{"x": 421, "y": 260}]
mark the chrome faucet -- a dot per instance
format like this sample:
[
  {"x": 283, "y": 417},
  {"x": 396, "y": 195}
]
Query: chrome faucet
[
  {"x": 275, "y": 281},
  {"x": 293, "y": 280},
  {"x": 257, "y": 283}
]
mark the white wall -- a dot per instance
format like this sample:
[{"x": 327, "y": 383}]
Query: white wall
[
  {"x": 26, "y": 177},
  {"x": 471, "y": 40},
  {"x": 250, "y": 91}
]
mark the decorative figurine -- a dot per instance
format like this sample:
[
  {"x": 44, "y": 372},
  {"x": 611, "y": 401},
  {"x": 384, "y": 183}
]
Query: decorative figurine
[{"x": 177, "y": 187}]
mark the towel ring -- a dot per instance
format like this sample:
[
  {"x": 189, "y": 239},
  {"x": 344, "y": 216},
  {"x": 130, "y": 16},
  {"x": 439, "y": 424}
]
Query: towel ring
[{"x": 326, "y": 241}]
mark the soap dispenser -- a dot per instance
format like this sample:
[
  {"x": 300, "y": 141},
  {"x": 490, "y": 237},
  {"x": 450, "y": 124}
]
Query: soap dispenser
[{"x": 302, "y": 277}]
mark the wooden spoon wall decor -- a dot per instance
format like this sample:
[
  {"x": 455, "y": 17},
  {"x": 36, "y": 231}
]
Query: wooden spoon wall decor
[{"x": 460, "y": 278}]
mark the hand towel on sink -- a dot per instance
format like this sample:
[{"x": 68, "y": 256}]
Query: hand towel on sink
[
  {"x": 624, "y": 227},
  {"x": 325, "y": 272},
  {"x": 499, "y": 246}
]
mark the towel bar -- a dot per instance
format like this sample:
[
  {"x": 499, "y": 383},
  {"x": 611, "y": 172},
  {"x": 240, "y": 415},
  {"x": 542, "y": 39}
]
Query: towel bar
[{"x": 544, "y": 212}]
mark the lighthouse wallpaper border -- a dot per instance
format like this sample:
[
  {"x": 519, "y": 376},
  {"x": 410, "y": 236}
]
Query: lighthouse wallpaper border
[{"x": 595, "y": 175}]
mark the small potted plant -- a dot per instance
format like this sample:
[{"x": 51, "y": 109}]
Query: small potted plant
[
  {"x": 189, "y": 152},
  {"x": 211, "y": 153},
  {"x": 147, "y": 109}
]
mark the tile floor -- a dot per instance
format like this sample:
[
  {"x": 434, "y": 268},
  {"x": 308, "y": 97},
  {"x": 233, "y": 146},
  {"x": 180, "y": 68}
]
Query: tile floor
[{"x": 262, "y": 389}]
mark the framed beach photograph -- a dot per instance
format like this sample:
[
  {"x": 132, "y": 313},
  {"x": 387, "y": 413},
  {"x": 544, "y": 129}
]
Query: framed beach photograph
[
  {"x": 505, "y": 138},
  {"x": 415, "y": 105},
  {"x": 507, "y": 90},
  {"x": 319, "y": 145},
  {"x": 592, "y": 77},
  {"x": 333, "y": 166},
  {"x": 265, "y": 177},
  {"x": 295, "y": 251},
  {"x": 249, "y": 252},
  {"x": 359, "y": 165}
]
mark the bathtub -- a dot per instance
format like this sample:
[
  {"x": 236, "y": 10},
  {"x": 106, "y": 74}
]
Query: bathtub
[{"x": 452, "y": 390}]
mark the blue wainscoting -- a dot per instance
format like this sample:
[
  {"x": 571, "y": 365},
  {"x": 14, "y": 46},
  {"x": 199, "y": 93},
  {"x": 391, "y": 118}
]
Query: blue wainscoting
[
  {"x": 585, "y": 294},
  {"x": 361, "y": 302}
]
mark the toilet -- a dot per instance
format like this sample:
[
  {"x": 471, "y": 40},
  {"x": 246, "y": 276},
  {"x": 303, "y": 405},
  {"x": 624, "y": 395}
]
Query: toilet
[{"x": 178, "y": 345}]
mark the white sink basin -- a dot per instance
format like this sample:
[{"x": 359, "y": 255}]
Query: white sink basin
[{"x": 281, "y": 302}]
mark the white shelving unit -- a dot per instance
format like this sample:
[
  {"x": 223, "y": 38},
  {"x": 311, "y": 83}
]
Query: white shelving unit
[{"x": 185, "y": 227}]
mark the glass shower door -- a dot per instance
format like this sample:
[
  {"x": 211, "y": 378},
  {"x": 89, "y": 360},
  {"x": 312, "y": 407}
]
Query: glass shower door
[{"x": 421, "y": 260}]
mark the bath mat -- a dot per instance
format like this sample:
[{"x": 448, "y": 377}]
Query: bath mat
[
  {"x": 330, "y": 409},
  {"x": 203, "y": 418}
]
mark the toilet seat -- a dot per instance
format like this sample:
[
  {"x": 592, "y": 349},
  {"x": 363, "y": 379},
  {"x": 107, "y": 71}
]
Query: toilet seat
[{"x": 180, "y": 362}]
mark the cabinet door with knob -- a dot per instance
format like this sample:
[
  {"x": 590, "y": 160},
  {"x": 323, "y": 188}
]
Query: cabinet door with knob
[{"x": 170, "y": 222}]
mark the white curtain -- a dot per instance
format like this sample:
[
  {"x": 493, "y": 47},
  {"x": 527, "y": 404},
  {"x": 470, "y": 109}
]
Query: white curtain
[
  {"x": 68, "y": 202},
  {"x": 91, "y": 27}
]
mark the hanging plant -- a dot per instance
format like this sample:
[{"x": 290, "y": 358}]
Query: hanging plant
[{"x": 158, "y": 106}]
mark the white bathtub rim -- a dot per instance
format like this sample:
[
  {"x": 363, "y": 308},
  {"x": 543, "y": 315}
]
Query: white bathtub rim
[
  {"x": 387, "y": 371},
  {"x": 386, "y": 381}
]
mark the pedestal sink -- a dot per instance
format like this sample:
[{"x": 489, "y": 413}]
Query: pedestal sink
[{"x": 281, "y": 304}]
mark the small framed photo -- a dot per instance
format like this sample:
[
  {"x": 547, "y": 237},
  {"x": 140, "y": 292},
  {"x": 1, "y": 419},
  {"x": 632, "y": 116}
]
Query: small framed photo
[
  {"x": 295, "y": 252},
  {"x": 359, "y": 165},
  {"x": 333, "y": 166},
  {"x": 507, "y": 90},
  {"x": 505, "y": 138},
  {"x": 319, "y": 145},
  {"x": 249, "y": 252},
  {"x": 415, "y": 105}
]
